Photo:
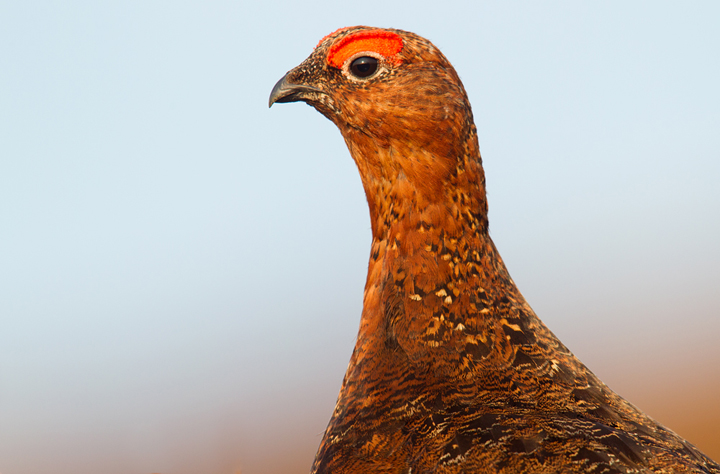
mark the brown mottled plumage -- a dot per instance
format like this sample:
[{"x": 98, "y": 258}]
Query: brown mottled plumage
[{"x": 452, "y": 372}]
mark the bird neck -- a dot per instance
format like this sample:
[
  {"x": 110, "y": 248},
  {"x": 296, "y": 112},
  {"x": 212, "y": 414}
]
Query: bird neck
[
  {"x": 432, "y": 259},
  {"x": 433, "y": 268}
]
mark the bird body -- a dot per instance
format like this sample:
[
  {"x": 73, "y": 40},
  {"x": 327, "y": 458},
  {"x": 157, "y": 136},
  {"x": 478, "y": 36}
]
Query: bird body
[{"x": 452, "y": 371}]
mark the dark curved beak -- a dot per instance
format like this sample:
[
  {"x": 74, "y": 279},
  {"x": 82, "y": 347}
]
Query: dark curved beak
[{"x": 286, "y": 91}]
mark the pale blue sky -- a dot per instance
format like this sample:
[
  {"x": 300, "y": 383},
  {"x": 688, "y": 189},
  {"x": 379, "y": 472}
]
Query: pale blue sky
[{"x": 181, "y": 269}]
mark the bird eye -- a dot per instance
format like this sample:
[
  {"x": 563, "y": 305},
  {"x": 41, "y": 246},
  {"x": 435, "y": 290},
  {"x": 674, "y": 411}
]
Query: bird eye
[{"x": 364, "y": 66}]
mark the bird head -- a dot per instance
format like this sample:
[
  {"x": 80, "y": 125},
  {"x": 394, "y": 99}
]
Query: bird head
[{"x": 400, "y": 107}]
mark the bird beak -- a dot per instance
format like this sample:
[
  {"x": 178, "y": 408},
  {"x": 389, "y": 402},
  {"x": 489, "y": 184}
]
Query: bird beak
[{"x": 286, "y": 91}]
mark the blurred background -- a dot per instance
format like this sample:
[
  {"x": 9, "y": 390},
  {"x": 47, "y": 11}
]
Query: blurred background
[{"x": 181, "y": 269}]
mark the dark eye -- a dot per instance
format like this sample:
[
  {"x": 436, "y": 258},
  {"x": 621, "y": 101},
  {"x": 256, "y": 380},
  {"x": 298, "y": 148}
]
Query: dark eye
[{"x": 364, "y": 67}]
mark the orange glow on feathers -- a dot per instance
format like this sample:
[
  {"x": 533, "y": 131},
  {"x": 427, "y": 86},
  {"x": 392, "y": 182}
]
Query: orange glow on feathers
[{"x": 385, "y": 43}]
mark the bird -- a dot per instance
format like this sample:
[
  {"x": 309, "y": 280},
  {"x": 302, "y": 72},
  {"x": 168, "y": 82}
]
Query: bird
[{"x": 452, "y": 371}]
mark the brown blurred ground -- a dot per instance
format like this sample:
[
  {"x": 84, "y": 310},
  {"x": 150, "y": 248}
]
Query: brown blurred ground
[{"x": 692, "y": 411}]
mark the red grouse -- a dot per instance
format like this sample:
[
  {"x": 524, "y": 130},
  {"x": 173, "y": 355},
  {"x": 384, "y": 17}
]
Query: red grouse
[{"x": 452, "y": 372}]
